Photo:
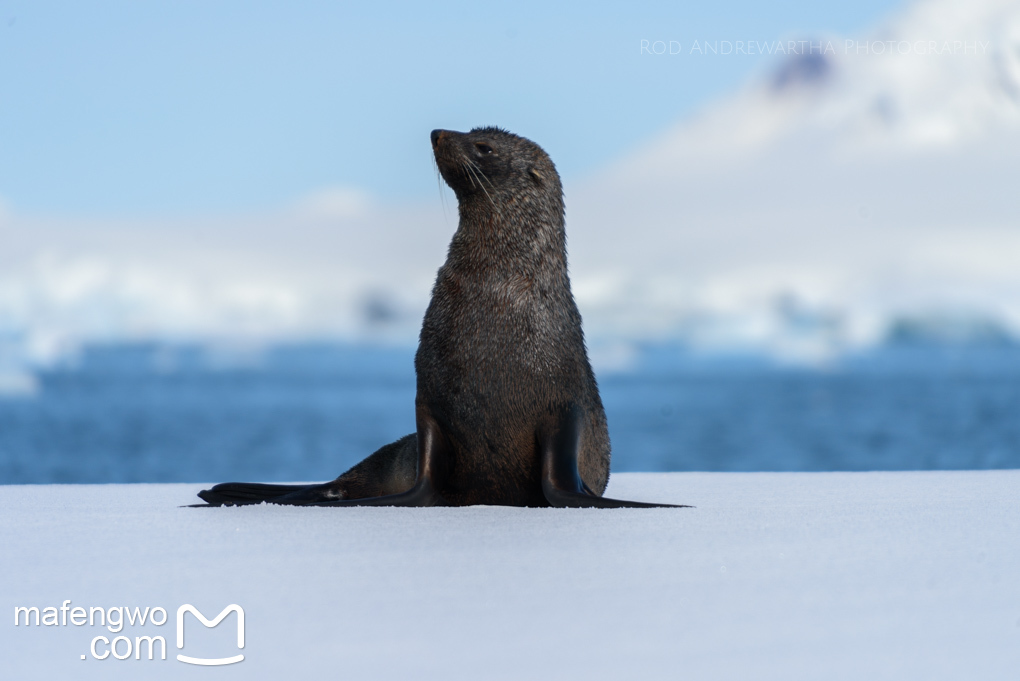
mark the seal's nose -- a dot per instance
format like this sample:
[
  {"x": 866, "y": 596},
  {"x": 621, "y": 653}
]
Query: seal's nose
[{"x": 436, "y": 136}]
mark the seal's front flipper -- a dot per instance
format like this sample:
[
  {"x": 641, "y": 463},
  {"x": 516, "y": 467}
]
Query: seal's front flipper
[
  {"x": 245, "y": 493},
  {"x": 434, "y": 454},
  {"x": 560, "y": 441}
]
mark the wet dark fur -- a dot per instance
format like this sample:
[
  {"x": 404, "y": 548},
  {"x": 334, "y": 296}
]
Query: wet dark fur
[
  {"x": 501, "y": 344},
  {"x": 501, "y": 347}
]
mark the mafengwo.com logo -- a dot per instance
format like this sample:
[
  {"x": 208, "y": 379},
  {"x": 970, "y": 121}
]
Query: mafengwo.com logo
[{"x": 138, "y": 647}]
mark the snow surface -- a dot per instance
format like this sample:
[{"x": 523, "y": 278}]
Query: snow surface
[{"x": 772, "y": 576}]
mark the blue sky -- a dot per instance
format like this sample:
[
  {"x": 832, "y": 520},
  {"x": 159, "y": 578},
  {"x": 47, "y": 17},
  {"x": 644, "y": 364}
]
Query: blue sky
[{"x": 187, "y": 108}]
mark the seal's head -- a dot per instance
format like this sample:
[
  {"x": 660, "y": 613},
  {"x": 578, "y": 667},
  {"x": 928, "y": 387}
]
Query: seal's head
[{"x": 494, "y": 166}]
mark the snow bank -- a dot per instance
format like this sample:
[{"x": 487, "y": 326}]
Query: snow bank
[{"x": 772, "y": 576}]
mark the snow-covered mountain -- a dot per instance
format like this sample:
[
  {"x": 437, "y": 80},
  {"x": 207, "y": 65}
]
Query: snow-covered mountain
[
  {"x": 848, "y": 187},
  {"x": 858, "y": 185}
]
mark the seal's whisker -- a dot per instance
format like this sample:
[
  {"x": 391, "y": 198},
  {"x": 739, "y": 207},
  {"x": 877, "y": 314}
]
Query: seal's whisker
[
  {"x": 467, "y": 171},
  {"x": 477, "y": 172},
  {"x": 481, "y": 173},
  {"x": 439, "y": 185}
]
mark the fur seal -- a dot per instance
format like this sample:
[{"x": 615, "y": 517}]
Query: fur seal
[{"x": 507, "y": 409}]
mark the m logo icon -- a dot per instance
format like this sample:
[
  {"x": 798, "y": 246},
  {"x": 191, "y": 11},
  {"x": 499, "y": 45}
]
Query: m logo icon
[{"x": 210, "y": 623}]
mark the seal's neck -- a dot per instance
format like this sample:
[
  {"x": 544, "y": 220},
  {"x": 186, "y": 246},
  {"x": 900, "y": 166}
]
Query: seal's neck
[{"x": 510, "y": 236}]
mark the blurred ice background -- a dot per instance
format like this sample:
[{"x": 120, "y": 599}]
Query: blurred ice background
[{"x": 816, "y": 267}]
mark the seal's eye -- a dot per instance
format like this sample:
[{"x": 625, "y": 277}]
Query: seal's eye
[{"x": 483, "y": 148}]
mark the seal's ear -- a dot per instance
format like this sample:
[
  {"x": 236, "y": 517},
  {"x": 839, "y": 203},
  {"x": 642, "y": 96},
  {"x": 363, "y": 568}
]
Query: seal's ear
[{"x": 535, "y": 175}]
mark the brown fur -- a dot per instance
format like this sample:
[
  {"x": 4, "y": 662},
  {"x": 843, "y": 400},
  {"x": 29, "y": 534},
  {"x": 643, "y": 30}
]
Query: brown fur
[
  {"x": 501, "y": 345},
  {"x": 502, "y": 367}
]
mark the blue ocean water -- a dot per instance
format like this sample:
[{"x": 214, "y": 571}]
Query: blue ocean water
[{"x": 156, "y": 413}]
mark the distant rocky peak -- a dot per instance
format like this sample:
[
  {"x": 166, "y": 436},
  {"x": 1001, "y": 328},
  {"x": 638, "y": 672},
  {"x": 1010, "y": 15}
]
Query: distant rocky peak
[{"x": 803, "y": 70}]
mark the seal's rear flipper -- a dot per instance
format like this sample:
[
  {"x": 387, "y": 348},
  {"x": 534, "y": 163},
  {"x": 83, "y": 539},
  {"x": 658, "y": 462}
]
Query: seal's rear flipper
[
  {"x": 569, "y": 499},
  {"x": 244, "y": 493},
  {"x": 562, "y": 485},
  {"x": 407, "y": 472}
]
